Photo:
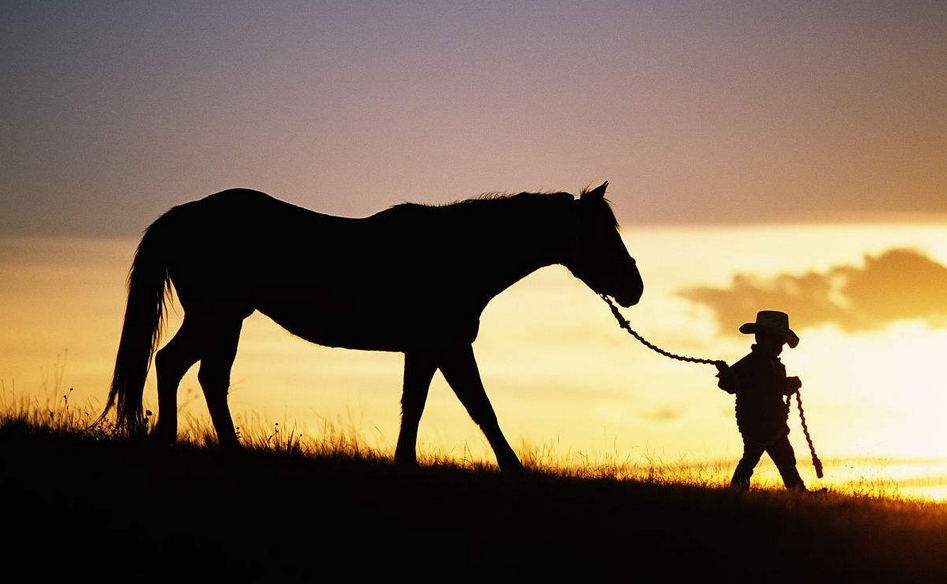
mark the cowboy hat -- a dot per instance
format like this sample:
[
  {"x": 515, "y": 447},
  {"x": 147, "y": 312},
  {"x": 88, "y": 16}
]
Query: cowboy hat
[{"x": 773, "y": 322}]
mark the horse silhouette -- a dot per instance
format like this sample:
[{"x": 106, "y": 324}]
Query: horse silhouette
[{"x": 412, "y": 279}]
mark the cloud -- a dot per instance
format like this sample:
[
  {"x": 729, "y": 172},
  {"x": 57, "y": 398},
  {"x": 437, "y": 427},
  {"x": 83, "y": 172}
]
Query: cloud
[
  {"x": 665, "y": 414},
  {"x": 898, "y": 284}
]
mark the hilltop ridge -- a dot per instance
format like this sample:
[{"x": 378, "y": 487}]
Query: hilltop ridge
[{"x": 109, "y": 507}]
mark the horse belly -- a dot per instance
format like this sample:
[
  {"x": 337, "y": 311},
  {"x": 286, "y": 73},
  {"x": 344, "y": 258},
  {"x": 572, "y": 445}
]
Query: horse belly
[
  {"x": 339, "y": 326},
  {"x": 353, "y": 327}
]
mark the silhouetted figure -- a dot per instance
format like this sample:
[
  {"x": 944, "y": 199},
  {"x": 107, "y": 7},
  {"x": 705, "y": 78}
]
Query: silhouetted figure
[
  {"x": 411, "y": 279},
  {"x": 761, "y": 387}
]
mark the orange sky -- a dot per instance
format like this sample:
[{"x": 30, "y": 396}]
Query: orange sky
[{"x": 557, "y": 368}]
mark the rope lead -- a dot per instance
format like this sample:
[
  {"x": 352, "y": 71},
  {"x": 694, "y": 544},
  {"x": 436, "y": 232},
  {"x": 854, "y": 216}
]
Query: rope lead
[
  {"x": 627, "y": 326},
  {"x": 623, "y": 323},
  {"x": 805, "y": 430}
]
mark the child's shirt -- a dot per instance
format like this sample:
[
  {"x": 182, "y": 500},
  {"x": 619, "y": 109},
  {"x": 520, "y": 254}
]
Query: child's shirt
[{"x": 759, "y": 382}]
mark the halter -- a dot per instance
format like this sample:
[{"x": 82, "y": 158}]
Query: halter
[{"x": 623, "y": 323}]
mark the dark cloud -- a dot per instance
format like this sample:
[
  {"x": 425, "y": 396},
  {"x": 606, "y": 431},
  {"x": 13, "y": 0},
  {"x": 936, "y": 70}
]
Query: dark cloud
[{"x": 899, "y": 284}]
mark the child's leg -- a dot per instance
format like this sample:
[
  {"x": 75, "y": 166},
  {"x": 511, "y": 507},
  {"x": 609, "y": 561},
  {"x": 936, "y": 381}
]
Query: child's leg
[
  {"x": 744, "y": 470},
  {"x": 785, "y": 459}
]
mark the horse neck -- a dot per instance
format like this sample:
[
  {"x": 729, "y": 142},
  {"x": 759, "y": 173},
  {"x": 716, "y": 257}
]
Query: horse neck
[{"x": 522, "y": 242}]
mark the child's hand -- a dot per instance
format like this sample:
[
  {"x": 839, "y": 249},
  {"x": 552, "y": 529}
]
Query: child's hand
[{"x": 793, "y": 384}]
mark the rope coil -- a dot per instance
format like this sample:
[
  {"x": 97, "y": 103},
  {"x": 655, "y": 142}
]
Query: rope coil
[
  {"x": 623, "y": 323},
  {"x": 816, "y": 463}
]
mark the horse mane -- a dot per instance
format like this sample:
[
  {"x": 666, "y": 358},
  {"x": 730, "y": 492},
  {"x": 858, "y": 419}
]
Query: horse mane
[{"x": 493, "y": 200}]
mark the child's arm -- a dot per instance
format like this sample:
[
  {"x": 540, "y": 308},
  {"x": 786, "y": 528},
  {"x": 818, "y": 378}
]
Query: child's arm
[{"x": 728, "y": 380}]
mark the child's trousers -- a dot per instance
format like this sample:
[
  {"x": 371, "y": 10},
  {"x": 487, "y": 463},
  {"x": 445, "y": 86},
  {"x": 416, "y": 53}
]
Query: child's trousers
[{"x": 783, "y": 456}]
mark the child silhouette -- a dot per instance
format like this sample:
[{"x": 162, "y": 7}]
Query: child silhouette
[{"x": 760, "y": 384}]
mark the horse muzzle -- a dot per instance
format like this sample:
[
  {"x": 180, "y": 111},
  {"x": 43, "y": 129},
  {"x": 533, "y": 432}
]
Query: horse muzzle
[{"x": 630, "y": 294}]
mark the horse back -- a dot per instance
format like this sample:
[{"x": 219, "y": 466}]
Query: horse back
[{"x": 381, "y": 282}]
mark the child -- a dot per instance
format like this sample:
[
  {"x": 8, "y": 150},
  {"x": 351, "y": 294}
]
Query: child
[{"x": 760, "y": 384}]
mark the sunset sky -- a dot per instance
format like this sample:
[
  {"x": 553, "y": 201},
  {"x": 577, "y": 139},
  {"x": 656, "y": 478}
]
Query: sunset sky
[
  {"x": 760, "y": 155},
  {"x": 696, "y": 112}
]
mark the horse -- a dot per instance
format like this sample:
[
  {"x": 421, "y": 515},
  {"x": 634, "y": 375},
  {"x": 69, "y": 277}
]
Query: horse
[{"x": 412, "y": 279}]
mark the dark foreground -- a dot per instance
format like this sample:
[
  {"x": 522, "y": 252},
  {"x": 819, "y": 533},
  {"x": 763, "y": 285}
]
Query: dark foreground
[{"x": 76, "y": 507}]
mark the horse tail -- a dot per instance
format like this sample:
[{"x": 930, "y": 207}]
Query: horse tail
[{"x": 149, "y": 288}]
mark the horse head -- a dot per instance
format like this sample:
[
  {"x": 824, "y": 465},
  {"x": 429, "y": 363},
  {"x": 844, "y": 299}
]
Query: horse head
[{"x": 598, "y": 256}]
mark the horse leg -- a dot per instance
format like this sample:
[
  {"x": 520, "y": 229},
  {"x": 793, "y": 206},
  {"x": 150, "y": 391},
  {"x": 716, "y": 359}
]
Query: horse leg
[
  {"x": 460, "y": 370},
  {"x": 214, "y": 377},
  {"x": 419, "y": 369},
  {"x": 171, "y": 363}
]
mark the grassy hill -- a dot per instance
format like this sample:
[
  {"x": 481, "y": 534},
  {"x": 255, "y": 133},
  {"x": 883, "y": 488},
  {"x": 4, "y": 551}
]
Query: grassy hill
[{"x": 86, "y": 504}]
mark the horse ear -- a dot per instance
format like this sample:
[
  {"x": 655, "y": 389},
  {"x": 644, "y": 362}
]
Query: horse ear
[{"x": 598, "y": 193}]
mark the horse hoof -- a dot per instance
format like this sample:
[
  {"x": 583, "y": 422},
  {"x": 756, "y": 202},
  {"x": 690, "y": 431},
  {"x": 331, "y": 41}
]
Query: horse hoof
[
  {"x": 406, "y": 461},
  {"x": 229, "y": 447},
  {"x": 158, "y": 438},
  {"x": 512, "y": 466}
]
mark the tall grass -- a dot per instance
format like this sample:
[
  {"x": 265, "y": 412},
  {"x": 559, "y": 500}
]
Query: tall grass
[{"x": 52, "y": 411}]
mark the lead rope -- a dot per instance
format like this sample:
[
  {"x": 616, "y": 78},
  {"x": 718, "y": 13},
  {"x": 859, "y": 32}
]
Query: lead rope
[
  {"x": 623, "y": 323},
  {"x": 805, "y": 430}
]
